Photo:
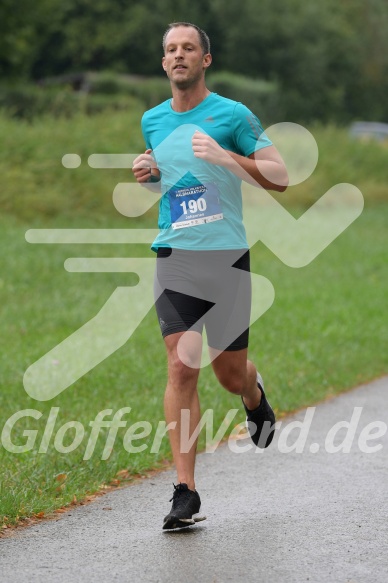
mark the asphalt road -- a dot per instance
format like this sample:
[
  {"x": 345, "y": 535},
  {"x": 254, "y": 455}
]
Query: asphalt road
[{"x": 274, "y": 516}]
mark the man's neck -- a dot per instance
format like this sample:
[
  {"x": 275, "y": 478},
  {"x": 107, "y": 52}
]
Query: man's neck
[{"x": 186, "y": 99}]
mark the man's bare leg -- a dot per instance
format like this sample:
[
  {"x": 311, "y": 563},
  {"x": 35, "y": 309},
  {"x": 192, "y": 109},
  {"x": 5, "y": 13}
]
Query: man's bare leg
[
  {"x": 181, "y": 393},
  {"x": 238, "y": 375}
]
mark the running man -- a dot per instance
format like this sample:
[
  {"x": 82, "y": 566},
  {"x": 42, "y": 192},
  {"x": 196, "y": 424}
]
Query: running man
[{"x": 199, "y": 147}]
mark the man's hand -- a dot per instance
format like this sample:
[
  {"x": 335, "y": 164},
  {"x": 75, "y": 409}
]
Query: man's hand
[
  {"x": 145, "y": 169},
  {"x": 207, "y": 149}
]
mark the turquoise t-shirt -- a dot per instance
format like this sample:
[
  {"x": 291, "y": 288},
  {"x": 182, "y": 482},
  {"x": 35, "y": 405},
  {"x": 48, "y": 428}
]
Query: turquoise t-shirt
[{"x": 201, "y": 203}]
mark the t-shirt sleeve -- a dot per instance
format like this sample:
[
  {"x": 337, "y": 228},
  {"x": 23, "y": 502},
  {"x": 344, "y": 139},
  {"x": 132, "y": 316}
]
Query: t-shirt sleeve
[
  {"x": 249, "y": 135},
  {"x": 145, "y": 132}
]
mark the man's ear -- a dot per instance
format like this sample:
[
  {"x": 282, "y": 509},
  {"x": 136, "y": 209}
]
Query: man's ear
[
  {"x": 207, "y": 60},
  {"x": 164, "y": 63}
]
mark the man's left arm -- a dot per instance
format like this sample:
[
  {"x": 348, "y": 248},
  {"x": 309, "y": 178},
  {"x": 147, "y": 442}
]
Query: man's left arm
[{"x": 264, "y": 168}]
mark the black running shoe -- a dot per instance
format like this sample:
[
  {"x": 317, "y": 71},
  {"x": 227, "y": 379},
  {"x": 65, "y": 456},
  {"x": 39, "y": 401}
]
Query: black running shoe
[
  {"x": 261, "y": 421},
  {"x": 185, "y": 503}
]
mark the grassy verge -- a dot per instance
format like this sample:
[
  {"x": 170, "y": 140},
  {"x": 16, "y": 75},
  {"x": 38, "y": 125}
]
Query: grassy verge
[
  {"x": 36, "y": 185},
  {"x": 325, "y": 332}
]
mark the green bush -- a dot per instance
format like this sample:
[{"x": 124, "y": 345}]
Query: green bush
[
  {"x": 29, "y": 101},
  {"x": 150, "y": 90}
]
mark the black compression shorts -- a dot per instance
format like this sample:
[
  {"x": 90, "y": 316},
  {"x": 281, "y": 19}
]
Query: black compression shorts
[{"x": 194, "y": 289}]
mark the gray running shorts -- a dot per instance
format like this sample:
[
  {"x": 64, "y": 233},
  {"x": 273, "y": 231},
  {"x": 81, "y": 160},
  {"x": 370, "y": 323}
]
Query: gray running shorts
[{"x": 194, "y": 289}]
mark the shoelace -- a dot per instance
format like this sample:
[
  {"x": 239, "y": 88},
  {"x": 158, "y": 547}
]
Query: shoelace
[{"x": 177, "y": 491}]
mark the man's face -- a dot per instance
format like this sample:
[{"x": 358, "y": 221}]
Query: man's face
[{"x": 184, "y": 61}]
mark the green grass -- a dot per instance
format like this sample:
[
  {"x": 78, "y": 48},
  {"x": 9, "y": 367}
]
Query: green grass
[
  {"x": 36, "y": 185},
  {"x": 325, "y": 332}
]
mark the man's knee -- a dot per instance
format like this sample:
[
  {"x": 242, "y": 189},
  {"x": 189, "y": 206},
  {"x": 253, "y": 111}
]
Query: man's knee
[
  {"x": 233, "y": 383},
  {"x": 182, "y": 369},
  {"x": 184, "y": 353}
]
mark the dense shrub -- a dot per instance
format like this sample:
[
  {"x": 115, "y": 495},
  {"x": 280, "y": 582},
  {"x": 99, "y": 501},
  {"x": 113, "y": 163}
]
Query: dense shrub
[
  {"x": 29, "y": 101},
  {"x": 150, "y": 90}
]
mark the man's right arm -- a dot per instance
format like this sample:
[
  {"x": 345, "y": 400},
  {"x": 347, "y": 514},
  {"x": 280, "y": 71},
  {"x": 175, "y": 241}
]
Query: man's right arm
[{"x": 146, "y": 171}]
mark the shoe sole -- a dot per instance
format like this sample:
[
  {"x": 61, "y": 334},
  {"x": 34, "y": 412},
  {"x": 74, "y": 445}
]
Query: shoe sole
[{"x": 173, "y": 522}]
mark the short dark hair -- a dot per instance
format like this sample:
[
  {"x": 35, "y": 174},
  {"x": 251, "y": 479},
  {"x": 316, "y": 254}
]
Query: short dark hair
[{"x": 203, "y": 38}]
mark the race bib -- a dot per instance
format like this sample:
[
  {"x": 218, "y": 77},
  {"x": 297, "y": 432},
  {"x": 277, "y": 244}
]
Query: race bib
[{"x": 194, "y": 205}]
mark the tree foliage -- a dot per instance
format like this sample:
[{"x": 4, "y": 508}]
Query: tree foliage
[{"x": 329, "y": 59}]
